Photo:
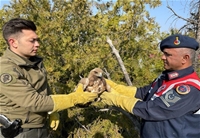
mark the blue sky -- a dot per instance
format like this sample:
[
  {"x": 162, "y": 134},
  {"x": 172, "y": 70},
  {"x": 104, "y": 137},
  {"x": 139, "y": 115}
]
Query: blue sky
[{"x": 162, "y": 14}]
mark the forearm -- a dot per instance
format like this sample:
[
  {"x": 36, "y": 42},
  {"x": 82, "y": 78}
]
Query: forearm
[{"x": 142, "y": 92}]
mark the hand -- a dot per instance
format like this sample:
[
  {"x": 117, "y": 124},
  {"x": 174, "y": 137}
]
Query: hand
[
  {"x": 84, "y": 96},
  {"x": 64, "y": 101},
  {"x": 113, "y": 98},
  {"x": 54, "y": 120},
  {"x": 129, "y": 91}
]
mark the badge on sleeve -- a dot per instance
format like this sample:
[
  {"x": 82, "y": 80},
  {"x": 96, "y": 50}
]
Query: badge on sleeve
[
  {"x": 183, "y": 89},
  {"x": 6, "y": 78},
  {"x": 170, "y": 97}
]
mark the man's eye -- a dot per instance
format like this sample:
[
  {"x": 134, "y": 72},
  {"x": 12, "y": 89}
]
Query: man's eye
[
  {"x": 34, "y": 40},
  {"x": 166, "y": 54}
]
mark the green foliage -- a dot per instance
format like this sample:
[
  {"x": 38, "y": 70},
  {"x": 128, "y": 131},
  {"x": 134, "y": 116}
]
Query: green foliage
[
  {"x": 90, "y": 122},
  {"x": 73, "y": 41}
]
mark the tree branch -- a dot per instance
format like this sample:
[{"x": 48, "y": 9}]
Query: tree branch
[
  {"x": 187, "y": 20},
  {"x": 82, "y": 125},
  {"x": 115, "y": 51},
  {"x": 133, "y": 118}
]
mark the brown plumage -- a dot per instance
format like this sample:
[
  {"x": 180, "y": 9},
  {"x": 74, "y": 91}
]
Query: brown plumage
[{"x": 95, "y": 82}]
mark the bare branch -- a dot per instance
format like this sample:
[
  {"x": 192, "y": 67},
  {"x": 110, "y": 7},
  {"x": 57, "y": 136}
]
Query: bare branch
[
  {"x": 82, "y": 125},
  {"x": 115, "y": 51},
  {"x": 182, "y": 27},
  {"x": 133, "y": 118},
  {"x": 187, "y": 20},
  {"x": 107, "y": 73}
]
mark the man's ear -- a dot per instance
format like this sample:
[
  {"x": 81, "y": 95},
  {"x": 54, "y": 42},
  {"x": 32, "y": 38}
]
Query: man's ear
[
  {"x": 186, "y": 58},
  {"x": 13, "y": 42}
]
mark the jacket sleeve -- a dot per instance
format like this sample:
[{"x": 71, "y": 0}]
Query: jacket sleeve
[
  {"x": 168, "y": 106},
  {"x": 142, "y": 92}
]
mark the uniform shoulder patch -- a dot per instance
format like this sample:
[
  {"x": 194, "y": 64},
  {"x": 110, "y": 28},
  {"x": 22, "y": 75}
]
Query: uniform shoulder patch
[
  {"x": 170, "y": 97},
  {"x": 6, "y": 78},
  {"x": 183, "y": 89}
]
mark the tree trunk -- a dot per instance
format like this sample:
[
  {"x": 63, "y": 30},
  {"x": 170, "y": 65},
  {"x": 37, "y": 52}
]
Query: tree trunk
[{"x": 196, "y": 63}]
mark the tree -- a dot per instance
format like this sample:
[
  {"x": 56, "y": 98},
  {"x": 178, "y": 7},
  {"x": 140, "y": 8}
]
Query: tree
[{"x": 73, "y": 41}]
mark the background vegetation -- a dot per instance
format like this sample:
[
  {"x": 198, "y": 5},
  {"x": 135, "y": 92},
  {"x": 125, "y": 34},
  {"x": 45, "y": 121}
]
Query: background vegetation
[{"x": 73, "y": 41}]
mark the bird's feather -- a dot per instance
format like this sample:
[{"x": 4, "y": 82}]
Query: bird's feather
[{"x": 95, "y": 82}]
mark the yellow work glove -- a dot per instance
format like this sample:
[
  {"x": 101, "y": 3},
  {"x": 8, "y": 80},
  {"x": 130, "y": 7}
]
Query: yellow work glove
[
  {"x": 112, "y": 98},
  {"x": 62, "y": 101},
  {"x": 128, "y": 91},
  {"x": 54, "y": 120}
]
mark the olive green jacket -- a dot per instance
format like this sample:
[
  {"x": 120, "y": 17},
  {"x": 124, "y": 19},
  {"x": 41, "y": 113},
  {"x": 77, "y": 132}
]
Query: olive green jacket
[{"x": 24, "y": 90}]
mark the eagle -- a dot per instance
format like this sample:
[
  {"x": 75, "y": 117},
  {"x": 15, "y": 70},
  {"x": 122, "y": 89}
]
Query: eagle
[{"x": 95, "y": 82}]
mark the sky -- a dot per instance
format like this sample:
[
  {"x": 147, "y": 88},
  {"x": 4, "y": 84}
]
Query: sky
[
  {"x": 165, "y": 17},
  {"x": 162, "y": 14}
]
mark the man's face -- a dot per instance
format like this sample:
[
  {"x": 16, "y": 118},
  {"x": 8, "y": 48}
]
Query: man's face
[
  {"x": 25, "y": 44},
  {"x": 172, "y": 59}
]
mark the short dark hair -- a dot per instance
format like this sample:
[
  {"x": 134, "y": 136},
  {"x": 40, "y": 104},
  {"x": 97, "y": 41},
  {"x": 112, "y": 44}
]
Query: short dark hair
[{"x": 15, "y": 26}]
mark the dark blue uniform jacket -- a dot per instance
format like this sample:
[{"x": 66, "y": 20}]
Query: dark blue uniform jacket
[{"x": 170, "y": 106}]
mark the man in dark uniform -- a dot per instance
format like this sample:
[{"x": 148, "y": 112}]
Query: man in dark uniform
[
  {"x": 170, "y": 105},
  {"x": 24, "y": 90}
]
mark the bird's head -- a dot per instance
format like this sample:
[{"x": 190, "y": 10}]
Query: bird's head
[{"x": 97, "y": 72}]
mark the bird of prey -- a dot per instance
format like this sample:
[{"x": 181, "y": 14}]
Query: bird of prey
[{"x": 95, "y": 82}]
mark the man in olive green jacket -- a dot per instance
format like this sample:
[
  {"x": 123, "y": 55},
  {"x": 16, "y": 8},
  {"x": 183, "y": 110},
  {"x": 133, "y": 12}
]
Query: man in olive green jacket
[{"x": 24, "y": 90}]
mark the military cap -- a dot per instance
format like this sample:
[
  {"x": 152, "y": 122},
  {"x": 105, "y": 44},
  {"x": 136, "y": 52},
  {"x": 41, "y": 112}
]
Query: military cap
[{"x": 179, "y": 41}]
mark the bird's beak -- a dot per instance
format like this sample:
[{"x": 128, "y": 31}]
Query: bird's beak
[{"x": 100, "y": 74}]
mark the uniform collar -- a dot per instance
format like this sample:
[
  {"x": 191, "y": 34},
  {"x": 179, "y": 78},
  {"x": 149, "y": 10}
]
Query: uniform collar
[
  {"x": 170, "y": 75},
  {"x": 20, "y": 61}
]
